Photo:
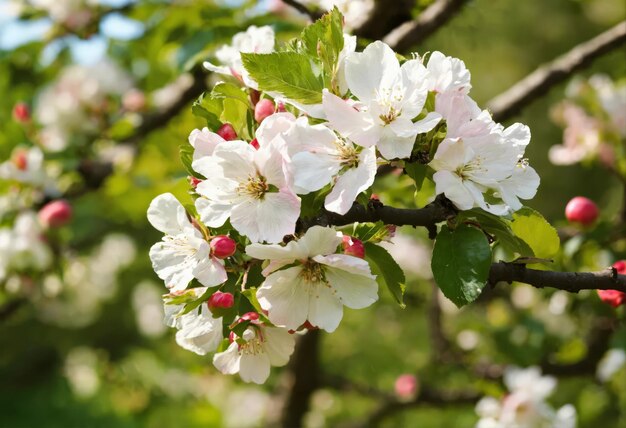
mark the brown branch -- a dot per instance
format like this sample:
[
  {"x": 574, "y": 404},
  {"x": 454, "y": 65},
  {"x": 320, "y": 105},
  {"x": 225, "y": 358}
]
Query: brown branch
[
  {"x": 303, "y": 9},
  {"x": 430, "y": 20},
  {"x": 384, "y": 17},
  {"x": 572, "y": 282},
  {"x": 537, "y": 84},
  {"x": 305, "y": 373}
]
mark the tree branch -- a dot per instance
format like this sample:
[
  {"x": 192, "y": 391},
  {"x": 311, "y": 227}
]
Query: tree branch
[
  {"x": 430, "y": 20},
  {"x": 572, "y": 282},
  {"x": 303, "y": 9},
  {"x": 537, "y": 84}
]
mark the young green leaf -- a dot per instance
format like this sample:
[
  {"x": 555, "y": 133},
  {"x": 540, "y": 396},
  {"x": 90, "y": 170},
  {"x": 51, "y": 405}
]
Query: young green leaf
[
  {"x": 461, "y": 262},
  {"x": 535, "y": 230},
  {"x": 387, "y": 271},
  {"x": 288, "y": 73}
]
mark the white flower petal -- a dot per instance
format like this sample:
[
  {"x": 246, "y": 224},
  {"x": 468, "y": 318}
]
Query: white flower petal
[
  {"x": 312, "y": 171},
  {"x": 212, "y": 214},
  {"x": 354, "y": 290},
  {"x": 254, "y": 368},
  {"x": 352, "y": 182},
  {"x": 286, "y": 298},
  {"x": 370, "y": 70},
  {"x": 325, "y": 310},
  {"x": 172, "y": 264},
  {"x": 268, "y": 219},
  {"x": 228, "y": 362},
  {"x": 278, "y": 345},
  {"x": 210, "y": 271},
  {"x": 320, "y": 240},
  {"x": 349, "y": 122},
  {"x": 167, "y": 215}
]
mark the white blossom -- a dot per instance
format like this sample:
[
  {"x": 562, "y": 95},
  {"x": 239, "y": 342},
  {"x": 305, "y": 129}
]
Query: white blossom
[
  {"x": 183, "y": 254},
  {"x": 25, "y": 166},
  {"x": 251, "y": 188},
  {"x": 390, "y": 96},
  {"x": 319, "y": 284},
  {"x": 252, "y": 355}
]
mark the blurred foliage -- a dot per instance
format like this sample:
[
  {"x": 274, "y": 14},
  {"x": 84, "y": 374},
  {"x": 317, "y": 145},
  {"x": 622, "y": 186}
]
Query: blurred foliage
[{"x": 148, "y": 381}]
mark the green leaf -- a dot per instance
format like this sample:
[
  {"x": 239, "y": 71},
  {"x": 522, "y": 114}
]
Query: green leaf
[
  {"x": 209, "y": 108},
  {"x": 417, "y": 172},
  {"x": 250, "y": 294},
  {"x": 200, "y": 300},
  {"x": 461, "y": 262},
  {"x": 500, "y": 228},
  {"x": 289, "y": 73},
  {"x": 235, "y": 113},
  {"x": 370, "y": 232},
  {"x": 186, "y": 157},
  {"x": 535, "y": 230},
  {"x": 228, "y": 90},
  {"x": 387, "y": 271}
]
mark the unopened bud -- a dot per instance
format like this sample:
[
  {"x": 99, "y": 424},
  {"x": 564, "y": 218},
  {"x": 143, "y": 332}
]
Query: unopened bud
[
  {"x": 227, "y": 132},
  {"x": 263, "y": 109},
  {"x": 620, "y": 267},
  {"x": 20, "y": 160},
  {"x": 353, "y": 247},
  {"x": 581, "y": 210},
  {"x": 193, "y": 181},
  {"x": 406, "y": 386},
  {"x": 280, "y": 107},
  {"x": 249, "y": 316},
  {"x": 220, "y": 300},
  {"x": 255, "y": 143},
  {"x": 223, "y": 246},
  {"x": 612, "y": 297},
  {"x": 21, "y": 113},
  {"x": 56, "y": 214}
]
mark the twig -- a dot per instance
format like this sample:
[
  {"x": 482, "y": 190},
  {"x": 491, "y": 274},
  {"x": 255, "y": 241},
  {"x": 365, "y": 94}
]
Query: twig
[
  {"x": 430, "y": 20},
  {"x": 546, "y": 76},
  {"x": 303, "y": 9}
]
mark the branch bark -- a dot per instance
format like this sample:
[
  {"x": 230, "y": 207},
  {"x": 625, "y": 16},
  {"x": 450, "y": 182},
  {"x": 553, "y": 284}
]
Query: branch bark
[
  {"x": 537, "y": 84},
  {"x": 303, "y": 9},
  {"x": 430, "y": 20}
]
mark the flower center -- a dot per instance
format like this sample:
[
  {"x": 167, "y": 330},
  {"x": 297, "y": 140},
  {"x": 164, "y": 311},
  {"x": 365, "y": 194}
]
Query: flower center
[
  {"x": 347, "y": 154},
  {"x": 390, "y": 116},
  {"x": 312, "y": 271},
  {"x": 180, "y": 245},
  {"x": 255, "y": 187}
]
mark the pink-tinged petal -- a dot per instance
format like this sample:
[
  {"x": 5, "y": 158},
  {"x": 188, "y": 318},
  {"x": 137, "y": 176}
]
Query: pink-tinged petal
[
  {"x": 173, "y": 266},
  {"x": 312, "y": 171},
  {"x": 414, "y": 79},
  {"x": 325, "y": 310},
  {"x": 346, "y": 262},
  {"x": 272, "y": 163},
  {"x": 285, "y": 297},
  {"x": 450, "y": 155},
  {"x": 320, "y": 240},
  {"x": 274, "y": 125},
  {"x": 268, "y": 219},
  {"x": 204, "y": 142},
  {"x": 236, "y": 160},
  {"x": 355, "y": 291},
  {"x": 452, "y": 186},
  {"x": 278, "y": 345},
  {"x": 167, "y": 215},
  {"x": 311, "y": 138},
  {"x": 212, "y": 214},
  {"x": 210, "y": 272},
  {"x": 254, "y": 368},
  {"x": 349, "y": 122},
  {"x": 217, "y": 68},
  {"x": 219, "y": 189},
  {"x": 352, "y": 182},
  {"x": 391, "y": 146},
  {"x": 368, "y": 71},
  {"x": 228, "y": 362}
]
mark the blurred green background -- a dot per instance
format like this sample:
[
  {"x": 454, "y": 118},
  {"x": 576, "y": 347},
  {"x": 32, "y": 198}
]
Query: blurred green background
[{"x": 116, "y": 367}]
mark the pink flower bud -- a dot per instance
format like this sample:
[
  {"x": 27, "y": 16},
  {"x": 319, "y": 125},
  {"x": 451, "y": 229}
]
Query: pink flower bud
[
  {"x": 193, "y": 181},
  {"x": 353, "y": 247},
  {"x": 391, "y": 230},
  {"x": 227, "y": 132},
  {"x": 612, "y": 297},
  {"x": 255, "y": 143},
  {"x": 406, "y": 386},
  {"x": 219, "y": 300},
  {"x": 581, "y": 210},
  {"x": 280, "y": 107},
  {"x": 620, "y": 267},
  {"x": 20, "y": 160},
  {"x": 56, "y": 213},
  {"x": 222, "y": 246},
  {"x": 263, "y": 109},
  {"x": 249, "y": 316},
  {"x": 21, "y": 112}
]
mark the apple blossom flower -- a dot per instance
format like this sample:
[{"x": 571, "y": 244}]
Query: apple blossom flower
[
  {"x": 252, "y": 354},
  {"x": 581, "y": 136},
  {"x": 23, "y": 245},
  {"x": 525, "y": 405},
  {"x": 253, "y": 40},
  {"x": 447, "y": 74},
  {"x": 26, "y": 165},
  {"x": 183, "y": 254},
  {"x": 204, "y": 141},
  {"x": 198, "y": 331},
  {"x": 319, "y": 157},
  {"x": 390, "y": 96},
  {"x": 251, "y": 188},
  {"x": 319, "y": 284}
]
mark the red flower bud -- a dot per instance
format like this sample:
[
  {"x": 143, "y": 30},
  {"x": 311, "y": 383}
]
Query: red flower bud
[
  {"x": 406, "y": 386},
  {"x": 263, "y": 109},
  {"x": 227, "y": 132},
  {"x": 620, "y": 267},
  {"x": 20, "y": 160},
  {"x": 581, "y": 210},
  {"x": 353, "y": 247},
  {"x": 193, "y": 181},
  {"x": 249, "y": 316},
  {"x": 612, "y": 297},
  {"x": 21, "y": 113},
  {"x": 255, "y": 143},
  {"x": 56, "y": 213},
  {"x": 222, "y": 246},
  {"x": 280, "y": 107},
  {"x": 219, "y": 300}
]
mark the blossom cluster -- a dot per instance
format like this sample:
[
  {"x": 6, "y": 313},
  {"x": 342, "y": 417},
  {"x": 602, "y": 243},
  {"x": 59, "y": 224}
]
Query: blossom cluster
[
  {"x": 243, "y": 271},
  {"x": 525, "y": 405}
]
